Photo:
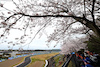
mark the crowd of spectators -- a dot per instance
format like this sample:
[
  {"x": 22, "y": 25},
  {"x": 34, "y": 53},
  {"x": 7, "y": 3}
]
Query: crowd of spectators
[{"x": 88, "y": 59}]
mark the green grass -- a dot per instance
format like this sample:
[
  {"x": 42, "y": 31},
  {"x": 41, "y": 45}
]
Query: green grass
[
  {"x": 57, "y": 59},
  {"x": 33, "y": 60},
  {"x": 71, "y": 64},
  {"x": 42, "y": 57}
]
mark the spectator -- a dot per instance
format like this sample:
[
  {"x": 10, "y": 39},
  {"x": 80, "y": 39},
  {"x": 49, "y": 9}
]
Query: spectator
[
  {"x": 73, "y": 53},
  {"x": 87, "y": 62},
  {"x": 95, "y": 59},
  {"x": 86, "y": 54},
  {"x": 68, "y": 55}
]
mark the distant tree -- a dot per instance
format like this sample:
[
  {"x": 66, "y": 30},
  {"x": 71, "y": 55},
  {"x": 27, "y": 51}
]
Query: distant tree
[
  {"x": 63, "y": 15},
  {"x": 93, "y": 44}
]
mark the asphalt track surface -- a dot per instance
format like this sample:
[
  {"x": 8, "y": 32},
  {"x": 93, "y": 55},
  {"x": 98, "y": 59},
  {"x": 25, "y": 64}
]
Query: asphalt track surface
[{"x": 26, "y": 62}]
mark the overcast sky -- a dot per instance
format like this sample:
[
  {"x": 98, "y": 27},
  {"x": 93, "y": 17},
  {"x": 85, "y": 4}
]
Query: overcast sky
[{"x": 37, "y": 43}]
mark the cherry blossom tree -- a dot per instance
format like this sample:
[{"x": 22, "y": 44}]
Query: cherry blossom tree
[
  {"x": 67, "y": 17},
  {"x": 73, "y": 45}
]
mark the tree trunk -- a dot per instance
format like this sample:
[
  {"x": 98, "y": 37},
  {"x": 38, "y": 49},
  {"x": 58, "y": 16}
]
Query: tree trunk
[{"x": 93, "y": 27}]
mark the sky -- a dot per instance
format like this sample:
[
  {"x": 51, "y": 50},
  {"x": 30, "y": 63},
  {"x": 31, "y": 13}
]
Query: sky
[{"x": 37, "y": 43}]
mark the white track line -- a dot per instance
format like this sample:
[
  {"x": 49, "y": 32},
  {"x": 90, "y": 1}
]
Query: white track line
[{"x": 46, "y": 63}]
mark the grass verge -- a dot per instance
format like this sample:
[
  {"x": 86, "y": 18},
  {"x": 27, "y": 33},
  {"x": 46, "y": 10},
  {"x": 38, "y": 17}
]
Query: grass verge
[
  {"x": 59, "y": 60},
  {"x": 42, "y": 57}
]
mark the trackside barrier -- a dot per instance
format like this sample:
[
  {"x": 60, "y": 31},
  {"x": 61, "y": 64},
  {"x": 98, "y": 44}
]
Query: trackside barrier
[
  {"x": 0, "y": 60},
  {"x": 10, "y": 58},
  {"x": 67, "y": 61},
  {"x": 36, "y": 53}
]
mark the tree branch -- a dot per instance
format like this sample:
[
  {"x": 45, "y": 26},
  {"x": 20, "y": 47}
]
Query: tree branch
[
  {"x": 93, "y": 10},
  {"x": 75, "y": 17},
  {"x": 84, "y": 9}
]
